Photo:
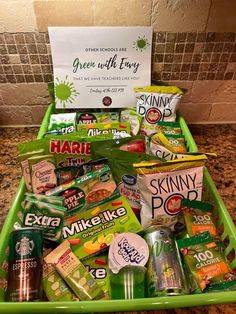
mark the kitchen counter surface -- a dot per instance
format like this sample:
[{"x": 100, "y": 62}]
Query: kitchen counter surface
[{"x": 220, "y": 139}]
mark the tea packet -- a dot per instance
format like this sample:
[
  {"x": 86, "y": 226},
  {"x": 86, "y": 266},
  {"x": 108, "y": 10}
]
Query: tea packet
[
  {"x": 73, "y": 272},
  {"x": 205, "y": 260},
  {"x": 164, "y": 185}
]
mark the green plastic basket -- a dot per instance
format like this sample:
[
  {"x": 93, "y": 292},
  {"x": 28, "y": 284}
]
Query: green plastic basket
[{"x": 224, "y": 223}]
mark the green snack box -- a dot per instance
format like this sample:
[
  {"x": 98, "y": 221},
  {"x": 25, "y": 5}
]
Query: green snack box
[
  {"x": 86, "y": 190},
  {"x": 170, "y": 128},
  {"x": 47, "y": 217},
  {"x": 98, "y": 268},
  {"x": 92, "y": 231},
  {"x": 205, "y": 260},
  {"x": 54, "y": 286},
  {"x": 97, "y": 117},
  {"x": 87, "y": 130}
]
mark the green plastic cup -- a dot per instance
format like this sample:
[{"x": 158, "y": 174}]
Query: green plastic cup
[{"x": 128, "y": 283}]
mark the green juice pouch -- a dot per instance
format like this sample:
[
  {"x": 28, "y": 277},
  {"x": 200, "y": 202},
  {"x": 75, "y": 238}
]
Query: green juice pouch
[
  {"x": 125, "y": 175},
  {"x": 198, "y": 217},
  {"x": 87, "y": 130},
  {"x": 24, "y": 163},
  {"x": 74, "y": 273},
  {"x": 55, "y": 200},
  {"x": 42, "y": 173},
  {"x": 54, "y": 286},
  {"x": 97, "y": 266},
  {"x": 47, "y": 217},
  {"x": 62, "y": 123},
  {"x": 87, "y": 190},
  {"x": 205, "y": 260},
  {"x": 92, "y": 231},
  {"x": 131, "y": 116}
]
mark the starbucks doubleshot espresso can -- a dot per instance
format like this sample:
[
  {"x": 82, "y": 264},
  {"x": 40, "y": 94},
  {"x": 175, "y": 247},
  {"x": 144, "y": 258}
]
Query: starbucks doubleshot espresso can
[
  {"x": 165, "y": 275},
  {"x": 25, "y": 265}
]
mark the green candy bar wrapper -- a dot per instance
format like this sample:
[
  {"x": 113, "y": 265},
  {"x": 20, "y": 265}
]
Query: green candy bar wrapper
[
  {"x": 74, "y": 273},
  {"x": 92, "y": 231},
  {"x": 87, "y": 130},
  {"x": 47, "y": 217},
  {"x": 54, "y": 286},
  {"x": 62, "y": 123},
  {"x": 86, "y": 190},
  {"x": 55, "y": 200},
  {"x": 98, "y": 268},
  {"x": 205, "y": 260},
  {"x": 132, "y": 117},
  {"x": 198, "y": 217},
  {"x": 97, "y": 117}
]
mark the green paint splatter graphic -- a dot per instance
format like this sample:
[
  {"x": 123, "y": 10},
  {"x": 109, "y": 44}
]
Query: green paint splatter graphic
[
  {"x": 141, "y": 43},
  {"x": 65, "y": 91}
]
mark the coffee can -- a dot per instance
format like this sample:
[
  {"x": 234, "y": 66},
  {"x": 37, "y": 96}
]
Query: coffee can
[
  {"x": 25, "y": 265},
  {"x": 165, "y": 275}
]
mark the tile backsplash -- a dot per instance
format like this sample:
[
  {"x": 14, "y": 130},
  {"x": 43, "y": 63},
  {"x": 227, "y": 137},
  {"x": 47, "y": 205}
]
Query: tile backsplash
[{"x": 26, "y": 57}]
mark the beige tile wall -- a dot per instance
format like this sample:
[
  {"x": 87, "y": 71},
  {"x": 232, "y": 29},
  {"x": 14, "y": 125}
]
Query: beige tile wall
[{"x": 210, "y": 98}]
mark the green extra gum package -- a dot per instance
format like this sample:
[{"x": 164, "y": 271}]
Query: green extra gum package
[
  {"x": 62, "y": 123},
  {"x": 55, "y": 200},
  {"x": 48, "y": 217},
  {"x": 92, "y": 231},
  {"x": 205, "y": 260}
]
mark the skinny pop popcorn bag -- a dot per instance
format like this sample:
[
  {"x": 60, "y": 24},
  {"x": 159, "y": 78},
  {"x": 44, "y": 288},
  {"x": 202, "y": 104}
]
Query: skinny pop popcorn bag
[{"x": 164, "y": 185}]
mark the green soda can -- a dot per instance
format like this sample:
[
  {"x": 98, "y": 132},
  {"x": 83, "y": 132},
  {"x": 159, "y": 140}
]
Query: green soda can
[
  {"x": 25, "y": 265},
  {"x": 165, "y": 275}
]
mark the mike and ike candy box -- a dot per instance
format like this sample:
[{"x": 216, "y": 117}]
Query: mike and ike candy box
[{"x": 92, "y": 231}]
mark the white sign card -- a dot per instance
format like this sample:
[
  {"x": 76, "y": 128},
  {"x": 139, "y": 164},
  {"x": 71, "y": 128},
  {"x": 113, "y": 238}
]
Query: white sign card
[{"x": 98, "y": 67}]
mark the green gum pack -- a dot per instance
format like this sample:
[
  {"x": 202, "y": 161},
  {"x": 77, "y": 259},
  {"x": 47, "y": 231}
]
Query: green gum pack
[
  {"x": 205, "y": 260},
  {"x": 47, "y": 217},
  {"x": 87, "y": 130},
  {"x": 55, "y": 200},
  {"x": 54, "y": 286},
  {"x": 62, "y": 123},
  {"x": 98, "y": 268},
  {"x": 85, "y": 191},
  {"x": 92, "y": 231}
]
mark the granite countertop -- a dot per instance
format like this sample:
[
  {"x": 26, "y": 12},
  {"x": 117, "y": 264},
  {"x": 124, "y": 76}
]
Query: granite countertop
[{"x": 220, "y": 139}]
